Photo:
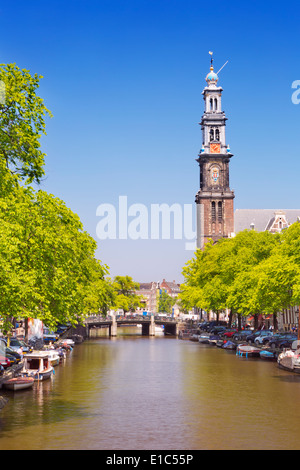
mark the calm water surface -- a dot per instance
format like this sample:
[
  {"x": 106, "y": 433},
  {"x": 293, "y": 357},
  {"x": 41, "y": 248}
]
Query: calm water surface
[{"x": 140, "y": 393}]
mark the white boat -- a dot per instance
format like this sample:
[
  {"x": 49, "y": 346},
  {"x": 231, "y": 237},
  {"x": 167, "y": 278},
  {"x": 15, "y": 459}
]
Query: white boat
[
  {"x": 289, "y": 360},
  {"x": 66, "y": 343},
  {"x": 204, "y": 338},
  {"x": 37, "y": 365},
  {"x": 53, "y": 357},
  {"x": 19, "y": 383},
  {"x": 248, "y": 351},
  {"x": 194, "y": 337}
]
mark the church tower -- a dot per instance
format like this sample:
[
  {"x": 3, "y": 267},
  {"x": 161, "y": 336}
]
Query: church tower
[{"x": 215, "y": 217}]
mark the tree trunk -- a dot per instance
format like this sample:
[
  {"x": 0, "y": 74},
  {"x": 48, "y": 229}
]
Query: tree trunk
[
  {"x": 275, "y": 321},
  {"x": 239, "y": 321},
  {"x": 26, "y": 330},
  {"x": 230, "y": 318}
]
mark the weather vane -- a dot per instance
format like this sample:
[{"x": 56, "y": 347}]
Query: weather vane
[
  {"x": 211, "y": 59},
  {"x": 211, "y": 63}
]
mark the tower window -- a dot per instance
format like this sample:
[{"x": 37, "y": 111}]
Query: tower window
[
  {"x": 213, "y": 211},
  {"x": 214, "y": 134},
  {"x": 216, "y": 104},
  {"x": 220, "y": 211},
  {"x": 211, "y": 104}
]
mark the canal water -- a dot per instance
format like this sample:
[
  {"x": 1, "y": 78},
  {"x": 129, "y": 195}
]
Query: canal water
[{"x": 162, "y": 393}]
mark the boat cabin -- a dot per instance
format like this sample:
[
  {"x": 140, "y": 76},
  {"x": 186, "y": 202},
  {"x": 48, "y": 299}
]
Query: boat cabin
[{"x": 37, "y": 362}]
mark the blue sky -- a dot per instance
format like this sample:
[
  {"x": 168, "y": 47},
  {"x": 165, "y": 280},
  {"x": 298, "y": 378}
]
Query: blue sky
[{"x": 124, "y": 79}]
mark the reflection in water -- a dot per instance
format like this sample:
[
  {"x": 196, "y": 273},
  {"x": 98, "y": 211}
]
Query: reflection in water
[{"x": 135, "y": 392}]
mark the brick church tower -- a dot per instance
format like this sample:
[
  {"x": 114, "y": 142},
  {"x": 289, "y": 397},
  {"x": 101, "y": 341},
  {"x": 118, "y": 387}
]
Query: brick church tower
[{"x": 215, "y": 216}]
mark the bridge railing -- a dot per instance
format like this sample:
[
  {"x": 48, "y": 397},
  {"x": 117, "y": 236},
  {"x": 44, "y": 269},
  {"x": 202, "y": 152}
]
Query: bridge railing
[{"x": 130, "y": 318}]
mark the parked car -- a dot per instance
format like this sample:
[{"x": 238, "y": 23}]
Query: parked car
[
  {"x": 240, "y": 336},
  {"x": 19, "y": 346},
  {"x": 1, "y": 369},
  {"x": 228, "y": 333},
  {"x": 282, "y": 341},
  {"x": 261, "y": 338},
  {"x": 26, "y": 347},
  {"x": 217, "y": 329},
  {"x": 265, "y": 341},
  {"x": 256, "y": 334},
  {"x": 206, "y": 326},
  {"x": 49, "y": 336},
  {"x": 11, "y": 352},
  {"x": 203, "y": 325},
  {"x": 288, "y": 342},
  {"x": 11, "y": 359},
  {"x": 4, "y": 362}
]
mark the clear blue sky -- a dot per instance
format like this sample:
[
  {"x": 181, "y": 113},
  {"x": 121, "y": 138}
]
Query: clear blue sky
[{"x": 123, "y": 80}]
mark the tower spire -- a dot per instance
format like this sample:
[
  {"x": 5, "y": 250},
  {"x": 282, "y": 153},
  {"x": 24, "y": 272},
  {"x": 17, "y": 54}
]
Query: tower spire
[{"x": 215, "y": 198}]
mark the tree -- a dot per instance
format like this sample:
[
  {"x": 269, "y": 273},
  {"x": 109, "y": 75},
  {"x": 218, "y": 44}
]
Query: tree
[
  {"x": 126, "y": 297},
  {"x": 22, "y": 123},
  {"x": 101, "y": 295},
  {"x": 215, "y": 279},
  {"x": 48, "y": 268},
  {"x": 165, "y": 302},
  {"x": 47, "y": 263}
]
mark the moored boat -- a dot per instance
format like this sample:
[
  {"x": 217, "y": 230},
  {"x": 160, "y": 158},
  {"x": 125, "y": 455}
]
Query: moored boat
[
  {"x": 53, "y": 357},
  {"x": 213, "y": 339},
  {"x": 289, "y": 360},
  {"x": 194, "y": 337},
  {"x": 19, "y": 383},
  {"x": 37, "y": 365},
  {"x": 67, "y": 344},
  {"x": 184, "y": 334},
  {"x": 269, "y": 355},
  {"x": 229, "y": 345},
  {"x": 248, "y": 351},
  {"x": 204, "y": 338}
]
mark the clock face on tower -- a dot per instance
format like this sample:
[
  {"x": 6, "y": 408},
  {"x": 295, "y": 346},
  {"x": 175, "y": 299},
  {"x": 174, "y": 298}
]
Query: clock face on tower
[{"x": 215, "y": 148}]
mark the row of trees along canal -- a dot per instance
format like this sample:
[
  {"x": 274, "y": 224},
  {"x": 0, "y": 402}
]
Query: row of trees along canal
[
  {"x": 48, "y": 268},
  {"x": 253, "y": 273}
]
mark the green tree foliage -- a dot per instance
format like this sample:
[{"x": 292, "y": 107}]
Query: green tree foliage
[
  {"x": 252, "y": 273},
  {"x": 22, "y": 123},
  {"x": 48, "y": 268},
  {"x": 165, "y": 302},
  {"x": 126, "y": 297},
  {"x": 47, "y": 264}
]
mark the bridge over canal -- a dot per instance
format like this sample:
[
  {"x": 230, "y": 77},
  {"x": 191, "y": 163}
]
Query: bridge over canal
[{"x": 148, "y": 322}]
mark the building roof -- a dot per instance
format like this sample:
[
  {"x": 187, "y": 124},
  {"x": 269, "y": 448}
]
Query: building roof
[
  {"x": 172, "y": 286},
  {"x": 147, "y": 285},
  {"x": 261, "y": 219}
]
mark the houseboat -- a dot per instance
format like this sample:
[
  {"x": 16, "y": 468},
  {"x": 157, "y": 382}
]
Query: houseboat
[{"x": 37, "y": 365}]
